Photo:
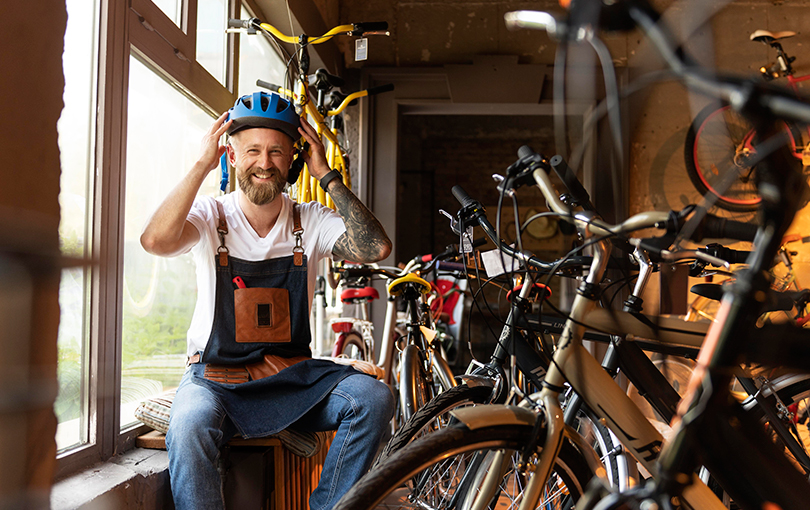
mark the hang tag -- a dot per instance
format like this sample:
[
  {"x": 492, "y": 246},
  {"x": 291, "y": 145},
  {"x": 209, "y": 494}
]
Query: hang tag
[
  {"x": 360, "y": 49},
  {"x": 466, "y": 241},
  {"x": 497, "y": 263}
]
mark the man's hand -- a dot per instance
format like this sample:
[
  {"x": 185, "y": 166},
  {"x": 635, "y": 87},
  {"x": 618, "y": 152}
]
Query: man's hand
[
  {"x": 211, "y": 150},
  {"x": 316, "y": 161},
  {"x": 168, "y": 233}
]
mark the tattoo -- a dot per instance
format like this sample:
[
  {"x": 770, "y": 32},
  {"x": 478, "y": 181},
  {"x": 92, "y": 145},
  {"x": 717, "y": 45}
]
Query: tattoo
[{"x": 365, "y": 239}]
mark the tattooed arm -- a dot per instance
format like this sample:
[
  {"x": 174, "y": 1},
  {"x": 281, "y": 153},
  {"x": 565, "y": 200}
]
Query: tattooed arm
[{"x": 365, "y": 239}]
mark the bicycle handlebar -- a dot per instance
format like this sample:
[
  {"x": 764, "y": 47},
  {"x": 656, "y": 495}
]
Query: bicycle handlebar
[
  {"x": 355, "y": 29},
  {"x": 370, "y": 28}
]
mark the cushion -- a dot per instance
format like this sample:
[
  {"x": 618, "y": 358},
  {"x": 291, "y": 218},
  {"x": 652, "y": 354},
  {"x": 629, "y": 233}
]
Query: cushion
[{"x": 155, "y": 412}]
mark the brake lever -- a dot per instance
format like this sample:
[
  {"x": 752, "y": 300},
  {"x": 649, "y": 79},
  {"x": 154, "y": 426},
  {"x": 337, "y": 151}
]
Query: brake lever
[{"x": 453, "y": 222}]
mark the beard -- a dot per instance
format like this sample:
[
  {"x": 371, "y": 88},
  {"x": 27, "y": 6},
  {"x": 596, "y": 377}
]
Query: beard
[{"x": 261, "y": 193}]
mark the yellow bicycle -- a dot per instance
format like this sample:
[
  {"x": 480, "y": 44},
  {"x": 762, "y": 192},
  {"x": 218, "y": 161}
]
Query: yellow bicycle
[{"x": 317, "y": 111}]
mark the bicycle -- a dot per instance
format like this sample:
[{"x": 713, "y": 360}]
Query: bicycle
[
  {"x": 486, "y": 430},
  {"x": 720, "y": 151},
  {"x": 307, "y": 188},
  {"x": 710, "y": 427},
  {"x": 355, "y": 337},
  {"x": 422, "y": 370}
]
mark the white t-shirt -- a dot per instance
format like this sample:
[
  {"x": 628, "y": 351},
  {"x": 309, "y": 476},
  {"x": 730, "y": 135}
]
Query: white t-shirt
[{"x": 322, "y": 228}]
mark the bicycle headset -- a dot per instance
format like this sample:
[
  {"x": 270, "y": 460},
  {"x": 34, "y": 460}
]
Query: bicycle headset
[{"x": 267, "y": 110}]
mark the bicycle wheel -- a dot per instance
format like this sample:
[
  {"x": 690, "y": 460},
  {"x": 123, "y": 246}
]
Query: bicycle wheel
[
  {"x": 789, "y": 395},
  {"x": 442, "y": 470},
  {"x": 434, "y": 415},
  {"x": 414, "y": 390},
  {"x": 607, "y": 446},
  {"x": 718, "y": 153},
  {"x": 353, "y": 346}
]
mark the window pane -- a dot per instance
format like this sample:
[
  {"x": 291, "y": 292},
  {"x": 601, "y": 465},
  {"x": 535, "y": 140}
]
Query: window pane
[
  {"x": 257, "y": 60},
  {"x": 172, "y": 9},
  {"x": 76, "y": 132},
  {"x": 211, "y": 40},
  {"x": 163, "y": 142}
]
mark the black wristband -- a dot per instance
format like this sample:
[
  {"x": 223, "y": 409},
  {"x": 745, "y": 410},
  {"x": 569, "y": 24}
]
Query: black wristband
[{"x": 331, "y": 176}]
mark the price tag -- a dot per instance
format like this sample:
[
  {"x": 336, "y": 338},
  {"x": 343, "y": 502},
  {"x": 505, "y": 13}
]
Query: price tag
[
  {"x": 360, "y": 49},
  {"x": 466, "y": 241},
  {"x": 497, "y": 263}
]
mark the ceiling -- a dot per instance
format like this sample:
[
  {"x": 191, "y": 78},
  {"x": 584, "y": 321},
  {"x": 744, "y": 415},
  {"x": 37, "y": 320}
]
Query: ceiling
[{"x": 422, "y": 33}]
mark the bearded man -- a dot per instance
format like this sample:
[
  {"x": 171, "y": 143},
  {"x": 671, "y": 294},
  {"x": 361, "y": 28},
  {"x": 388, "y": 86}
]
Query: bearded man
[{"x": 250, "y": 370}]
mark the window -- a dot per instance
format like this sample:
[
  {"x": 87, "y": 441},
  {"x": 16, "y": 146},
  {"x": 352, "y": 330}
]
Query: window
[
  {"x": 258, "y": 60},
  {"x": 163, "y": 141},
  {"x": 76, "y": 133},
  {"x": 137, "y": 103},
  {"x": 172, "y": 9},
  {"x": 211, "y": 40}
]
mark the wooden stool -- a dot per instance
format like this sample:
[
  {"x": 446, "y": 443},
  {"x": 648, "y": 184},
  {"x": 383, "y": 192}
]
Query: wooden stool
[{"x": 261, "y": 473}]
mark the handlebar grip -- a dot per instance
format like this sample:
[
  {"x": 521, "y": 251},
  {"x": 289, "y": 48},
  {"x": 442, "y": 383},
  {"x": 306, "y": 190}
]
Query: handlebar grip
[
  {"x": 722, "y": 228},
  {"x": 525, "y": 151},
  {"x": 462, "y": 196},
  {"x": 569, "y": 178},
  {"x": 239, "y": 23},
  {"x": 737, "y": 256},
  {"x": 268, "y": 85},
  {"x": 371, "y": 26},
  {"x": 450, "y": 266},
  {"x": 380, "y": 89}
]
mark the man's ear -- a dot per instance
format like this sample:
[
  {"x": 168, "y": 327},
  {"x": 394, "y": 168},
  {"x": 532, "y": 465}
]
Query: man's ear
[{"x": 231, "y": 154}]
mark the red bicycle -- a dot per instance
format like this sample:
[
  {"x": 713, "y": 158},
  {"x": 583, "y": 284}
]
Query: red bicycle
[{"x": 720, "y": 150}]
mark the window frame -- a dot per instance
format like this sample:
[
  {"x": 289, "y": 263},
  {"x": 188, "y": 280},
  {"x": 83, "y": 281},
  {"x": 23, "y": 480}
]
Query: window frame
[
  {"x": 123, "y": 31},
  {"x": 140, "y": 28}
]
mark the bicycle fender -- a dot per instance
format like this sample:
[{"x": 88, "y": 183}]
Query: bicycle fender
[
  {"x": 476, "y": 417},
  {"x": 496, "y": 414}
]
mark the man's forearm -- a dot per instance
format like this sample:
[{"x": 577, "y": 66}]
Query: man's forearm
[
  {"x": 164, "y": 233},
  {"x": 365, "y": 239}
]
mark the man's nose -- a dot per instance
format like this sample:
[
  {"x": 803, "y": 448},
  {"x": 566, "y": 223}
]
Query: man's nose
[{"x": 265, "y": 160}]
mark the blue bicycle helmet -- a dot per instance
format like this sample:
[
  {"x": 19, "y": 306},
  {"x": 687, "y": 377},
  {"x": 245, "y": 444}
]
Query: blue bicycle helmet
[{"x": 264, "y": 109}]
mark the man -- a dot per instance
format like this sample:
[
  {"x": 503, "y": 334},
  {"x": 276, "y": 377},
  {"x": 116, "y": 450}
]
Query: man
[{"x": 256, "y": 251}]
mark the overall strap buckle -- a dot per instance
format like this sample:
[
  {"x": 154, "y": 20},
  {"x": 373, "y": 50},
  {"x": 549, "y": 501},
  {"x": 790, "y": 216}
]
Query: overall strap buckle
[
  {"x": 298, "y": 231},
  {"x": 222, "y": 231}
]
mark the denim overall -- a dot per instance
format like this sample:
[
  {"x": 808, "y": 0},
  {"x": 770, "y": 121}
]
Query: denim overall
[{"x": 268, "y": 317}]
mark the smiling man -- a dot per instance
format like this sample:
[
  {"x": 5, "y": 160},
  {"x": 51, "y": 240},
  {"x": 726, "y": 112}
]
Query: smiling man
[{"x": 250, "y": 370}]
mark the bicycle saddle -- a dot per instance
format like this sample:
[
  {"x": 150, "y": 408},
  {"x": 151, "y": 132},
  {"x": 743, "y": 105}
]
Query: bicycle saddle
[
  {"x": 767, "y": 37},
  {"x": 781, "y": 301},
  {"x": 350, "y": 296},
  {"x": 325, "y": 81},
  {"x": 398, "y": 286}
]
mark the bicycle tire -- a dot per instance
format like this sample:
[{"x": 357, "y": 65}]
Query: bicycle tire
[
  {"x": 715, "y": 145},
  {"x": 353, "y": 346},
  {"x": 607, "y": 447},
  {"x": 434, "y": 415},
  {"x": 441, "y": 452},
  {"x": 789, "y": 389},
  {"x": 414, "y": 391}
]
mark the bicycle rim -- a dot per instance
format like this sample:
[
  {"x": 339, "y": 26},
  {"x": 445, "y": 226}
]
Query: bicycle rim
[
  {"x": 353, "y": 346},
  {"x": 443, "y": 470},
  {"x": 718, "y": 152}
]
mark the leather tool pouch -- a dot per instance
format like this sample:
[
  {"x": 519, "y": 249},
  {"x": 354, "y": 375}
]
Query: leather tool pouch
[
  {"x": 226, "y": 374},
  {"x": 271, "y": 365},
  {"x": 262, "y": 315},
  {"x": 237, "y": 374}
]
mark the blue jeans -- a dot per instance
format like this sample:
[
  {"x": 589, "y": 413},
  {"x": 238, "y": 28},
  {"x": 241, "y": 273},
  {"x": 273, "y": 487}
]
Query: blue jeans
[{"x": 359, "y": 408}]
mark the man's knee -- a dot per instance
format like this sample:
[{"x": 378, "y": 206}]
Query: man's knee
[
  {"x": 195, "y": 423},
  {"x": 377, "y": 399}
]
